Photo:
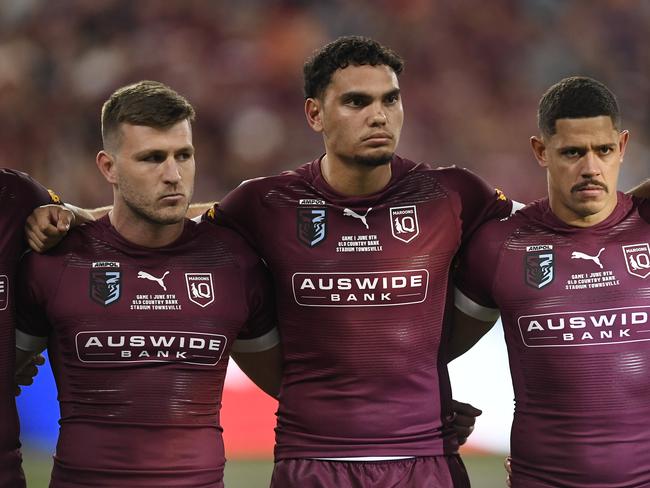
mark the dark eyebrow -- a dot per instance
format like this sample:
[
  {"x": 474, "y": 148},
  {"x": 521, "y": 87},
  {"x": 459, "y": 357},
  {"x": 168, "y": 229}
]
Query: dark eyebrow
[
  {"x": 358, "y": 95},
  {"x": 393, "y": 93}
]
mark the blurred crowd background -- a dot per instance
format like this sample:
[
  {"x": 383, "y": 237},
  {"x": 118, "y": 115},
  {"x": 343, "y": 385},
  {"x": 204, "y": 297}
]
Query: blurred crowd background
[
  {"x": 475, "y": 71},
  {"x": 474, "y": 74}
]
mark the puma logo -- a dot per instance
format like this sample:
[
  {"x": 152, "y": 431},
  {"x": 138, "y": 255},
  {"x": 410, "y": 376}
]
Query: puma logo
[
  {"x": 581, "y": 255},
  {"x": 351, "y": 213},
  {"x": 147, "y": 276}
]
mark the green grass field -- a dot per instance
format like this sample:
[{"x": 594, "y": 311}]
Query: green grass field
[{"x": 485, "y": 471}]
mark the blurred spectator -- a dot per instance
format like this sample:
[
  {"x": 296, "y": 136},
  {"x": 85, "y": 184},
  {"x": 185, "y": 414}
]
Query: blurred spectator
[{"x": 475, "y": 71}]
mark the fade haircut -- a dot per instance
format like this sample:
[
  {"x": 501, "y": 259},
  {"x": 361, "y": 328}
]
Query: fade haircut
[
  {"x": 147, "y": 103},
  {"x": 576, "y": 97},
  {"x": 345, "y": 51}
]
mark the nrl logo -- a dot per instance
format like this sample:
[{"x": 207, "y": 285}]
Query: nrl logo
[
  {"x": 404, "y": 223},
  {"x": 637, "y": 259},
  {"x": 538, "y": 267},
  {"x": 312, "y": 225},
  {"x": 199, "y": 288},
  {"x": 105, "y": 285}
]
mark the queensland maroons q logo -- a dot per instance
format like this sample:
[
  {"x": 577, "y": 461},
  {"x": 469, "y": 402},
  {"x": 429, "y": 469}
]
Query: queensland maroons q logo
[{"x": 637, "y": 259}]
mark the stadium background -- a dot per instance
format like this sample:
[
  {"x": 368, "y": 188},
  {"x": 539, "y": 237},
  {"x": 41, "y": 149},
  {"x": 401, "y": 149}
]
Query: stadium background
[{"x": 475, "y": 71}]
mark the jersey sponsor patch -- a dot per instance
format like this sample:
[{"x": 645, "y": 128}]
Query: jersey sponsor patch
[
  {"x": 311, "y": 225},
  {"x": 538, "y": 267},
  {"x": 586, "y": 327},
  {"x": 119, "y": 346},
  {"x": 4, "y": 292},
  {"x": 404, "y": 223},
  {"x": 200, "y": 289},
  {"x": 637, "y": 259},
  {"x": 362, "y": 289},
  {"x": 105, "y": 283}
]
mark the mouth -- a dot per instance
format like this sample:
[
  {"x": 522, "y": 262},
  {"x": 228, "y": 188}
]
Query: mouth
[
  {"x": 590, "y": 189},
  {"x": 378, "y": 138},
  {"x": 172, "y": 198}
]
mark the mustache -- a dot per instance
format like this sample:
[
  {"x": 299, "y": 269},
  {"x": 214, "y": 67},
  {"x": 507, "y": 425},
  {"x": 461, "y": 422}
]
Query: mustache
[{"x": 587, "y": 183}]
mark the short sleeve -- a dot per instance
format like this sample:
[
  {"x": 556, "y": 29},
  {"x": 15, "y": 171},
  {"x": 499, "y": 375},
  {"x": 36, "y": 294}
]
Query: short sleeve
[
  {"x": 32, "y": 325},
  {"x": 260, "y": 331},
  {"x": 476, "y": 272},
  {"x": 479, "y": 201},
  {"x": 235, "y": 211}
]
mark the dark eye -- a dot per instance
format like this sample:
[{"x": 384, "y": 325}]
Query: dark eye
[
  {"x": 356, "y": 102},
  {"x": 606, "y": 150},
  {"x": 571, "y": 153},
  {"x": 184, "y": 156},
  {"x": 391, "y": 99},
  {"x": 155, "y": 158}
]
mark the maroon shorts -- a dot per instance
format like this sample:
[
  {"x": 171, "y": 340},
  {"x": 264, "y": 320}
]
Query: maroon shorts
[{"x": 422, "y": 472}]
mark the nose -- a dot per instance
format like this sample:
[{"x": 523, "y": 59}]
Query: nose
[
  {"x": 378, "y": 116},
  {"x": 171, "y": 171},
  {"x": 590, "y": 165}
]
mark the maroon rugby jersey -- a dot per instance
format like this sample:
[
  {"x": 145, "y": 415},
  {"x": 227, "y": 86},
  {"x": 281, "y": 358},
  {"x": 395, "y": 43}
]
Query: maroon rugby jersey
[
  {"x": 361, "y": 285},
  {"x": 19, "y": 195},
  {"x": 139, "y": 341},
  {"x": 574, "y": 306}
]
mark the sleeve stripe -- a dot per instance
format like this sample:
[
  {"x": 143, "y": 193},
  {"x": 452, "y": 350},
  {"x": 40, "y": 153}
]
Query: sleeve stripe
[
  {"x": 258, "y": 344},
  {"x": 473, "y": 309},
  {"x": 516, "y": 206},
  {"x": 30, "y": 343}
]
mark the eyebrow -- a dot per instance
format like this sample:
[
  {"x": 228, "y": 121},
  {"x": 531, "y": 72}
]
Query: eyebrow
[
  {"x": 152, "y": 151},
  {"x": 575, "y": 147},
  {"x": 367, "y": 96}
]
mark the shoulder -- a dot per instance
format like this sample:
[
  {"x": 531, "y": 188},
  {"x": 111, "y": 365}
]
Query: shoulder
[
  {"x": 263, "y": 184},
  {"x": 642, "y": 206},
  {"x": 23, "y": 189},
  {"x": 225, "y": 241}
]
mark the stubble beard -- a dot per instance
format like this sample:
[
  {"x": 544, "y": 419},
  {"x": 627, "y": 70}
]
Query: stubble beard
[{"x": 373, "y": 161}]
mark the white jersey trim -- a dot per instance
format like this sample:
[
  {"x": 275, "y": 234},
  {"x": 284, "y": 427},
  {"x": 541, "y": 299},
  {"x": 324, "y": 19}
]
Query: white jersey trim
[
  {"x": 258, "y": 344},
  {"x": 30, "y": 343},
  {"x": 366, "y": 458},
  {"x": 473, "y": 309},
  {"x": 516, "y": 206}
]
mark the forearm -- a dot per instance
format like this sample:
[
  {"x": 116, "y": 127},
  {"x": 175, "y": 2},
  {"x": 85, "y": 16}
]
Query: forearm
[{"x": 642, "y": 190}]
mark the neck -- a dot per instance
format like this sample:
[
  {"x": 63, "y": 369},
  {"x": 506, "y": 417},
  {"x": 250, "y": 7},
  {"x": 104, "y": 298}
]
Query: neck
[
  {"x": 353, "y": 179},
  {"x": 143, "y": 232},
  {"x": 574, "y": 219}
]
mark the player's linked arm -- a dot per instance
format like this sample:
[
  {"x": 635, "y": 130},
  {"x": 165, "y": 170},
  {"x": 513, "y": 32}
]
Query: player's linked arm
[
  {"x": 47, "y": 225},
  {"x": 264, "y": 368},
  {"x": 642, "y": 190},
  {"x": 465, "y": 332}
]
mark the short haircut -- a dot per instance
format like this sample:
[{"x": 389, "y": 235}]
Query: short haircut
[
  {"x": 147, "y": 103},
  {"x": 345, "y": 51},
  {"x": 576, "y": 97}
]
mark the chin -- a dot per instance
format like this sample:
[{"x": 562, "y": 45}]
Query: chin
[{"x": 374, "y": 160}]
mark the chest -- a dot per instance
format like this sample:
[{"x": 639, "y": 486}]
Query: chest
[
  {"x": 578, "y": 292},
  {"x": 126, "y": 310}
]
